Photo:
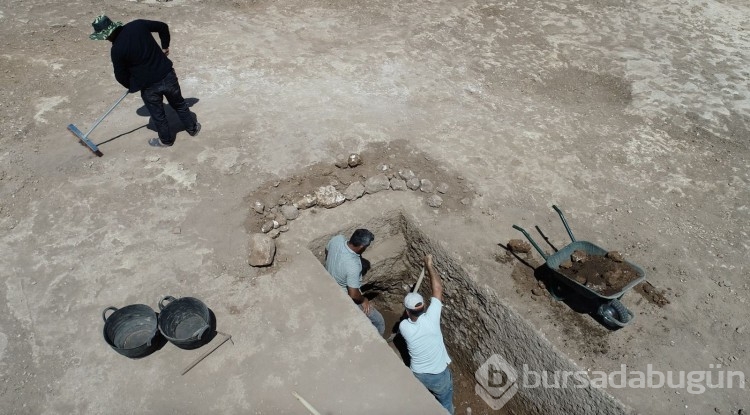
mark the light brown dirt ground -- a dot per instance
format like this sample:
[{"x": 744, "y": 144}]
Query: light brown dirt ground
[{"x": 632, "y": 116}]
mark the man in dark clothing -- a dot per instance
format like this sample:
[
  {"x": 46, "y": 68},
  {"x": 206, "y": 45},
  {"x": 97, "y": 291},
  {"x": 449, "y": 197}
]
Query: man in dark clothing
[{"x": 141, "y": 65}]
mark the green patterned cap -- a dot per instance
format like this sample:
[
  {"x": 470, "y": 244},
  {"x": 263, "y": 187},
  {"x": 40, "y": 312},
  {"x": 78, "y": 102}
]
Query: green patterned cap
[{"x": 103, "y": 27}]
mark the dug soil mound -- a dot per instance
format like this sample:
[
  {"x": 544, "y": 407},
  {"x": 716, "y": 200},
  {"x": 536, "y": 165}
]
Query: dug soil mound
[{"x": 605, "y": 275}]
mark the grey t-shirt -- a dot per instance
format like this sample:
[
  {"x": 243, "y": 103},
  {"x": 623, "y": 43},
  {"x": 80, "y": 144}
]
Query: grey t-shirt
[{"x": 343, "y": 264}]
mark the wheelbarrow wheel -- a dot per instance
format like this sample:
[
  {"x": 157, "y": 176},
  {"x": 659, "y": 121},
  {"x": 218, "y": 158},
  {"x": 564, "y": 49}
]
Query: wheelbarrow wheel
[
  {"x": 615, "y": 314},
  {"x": 557, "y": 291}
]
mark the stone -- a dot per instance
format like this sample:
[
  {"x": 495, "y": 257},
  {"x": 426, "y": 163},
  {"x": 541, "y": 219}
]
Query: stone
[
  {"x": 305, "y": 202},
  {"x": 271, "y": 200},
  {"x": 267, "y": 226},
  {"x": 280, "y": 219},
  {"x": 274, "y": 210},
  {"x": 567, "y": 264},
  {"x": 354, "y": 160},
  {"x": 537, "y": 291},
  {"x": 283, "y": 228},
  {"x": 578, "y": 256},
  {"x": 406, "y": 174},
  {"x": 442, "y": 188},
  {"x": 177, "y": 230},
  {"x": 383, "y": 167},
  {"x": 354, "y": 191},
  {"x": 274, "y": 233},
  {"x": 413, "y": 183},
  {"x": 275, "y": 224},
  {"x": 342, "y": 161},
  {"x": 290, "y": 212},
  {"x": 261, "y": 250},
  {"x": 614, "y": 256},
  {"x": 398, "y": 184},
  {"x": 435, "y": 201},
  {"x": 259, "y": 206},
  {"x": 518, "y": 245},
  {"x": 328, "y": 197},
  {"x": 465, "y": 201},
  {"x": 426, "y": 186},
  {"x": 611, "y": 276},
  {"x": 377, "y": 183}
]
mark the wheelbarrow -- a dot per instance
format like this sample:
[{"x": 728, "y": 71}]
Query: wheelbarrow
[{"x": 608, "y": 307}]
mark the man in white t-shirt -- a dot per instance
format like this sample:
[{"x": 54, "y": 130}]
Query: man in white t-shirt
[{"x": 421, "y": 330}]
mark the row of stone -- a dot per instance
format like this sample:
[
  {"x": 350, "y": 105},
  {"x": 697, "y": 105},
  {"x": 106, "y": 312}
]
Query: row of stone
[
  {"x": 262, "y": 248},
  {"x": 329, "y": 197}
]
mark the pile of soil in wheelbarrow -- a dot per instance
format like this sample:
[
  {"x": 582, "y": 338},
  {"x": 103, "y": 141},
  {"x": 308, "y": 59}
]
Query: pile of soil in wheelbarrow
[{"x": 606, "y": 275}]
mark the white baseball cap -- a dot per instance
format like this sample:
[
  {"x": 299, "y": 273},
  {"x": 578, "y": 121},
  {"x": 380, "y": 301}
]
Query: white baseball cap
[{"x": 413, "y": 301}]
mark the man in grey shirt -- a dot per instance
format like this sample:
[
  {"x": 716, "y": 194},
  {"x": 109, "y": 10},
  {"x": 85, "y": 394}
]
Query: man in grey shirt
[{"x": 344, "y": 263}]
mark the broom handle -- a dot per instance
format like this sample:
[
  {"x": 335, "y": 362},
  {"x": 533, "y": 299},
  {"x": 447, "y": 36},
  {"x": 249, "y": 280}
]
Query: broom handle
[
  {"x": 107, "y": 113},
  {"x": 306, "y": 404}
]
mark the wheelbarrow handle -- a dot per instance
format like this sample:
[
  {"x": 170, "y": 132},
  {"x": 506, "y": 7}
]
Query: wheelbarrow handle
[
  {"x": 565, "y": 222},
  {"x": 526, "y": 234}
]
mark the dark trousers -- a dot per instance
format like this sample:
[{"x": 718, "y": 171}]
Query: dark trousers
[{"x": 153, "y": 96}]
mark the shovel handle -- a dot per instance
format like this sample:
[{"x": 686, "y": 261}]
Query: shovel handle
[{"x": 419, "y": 281}]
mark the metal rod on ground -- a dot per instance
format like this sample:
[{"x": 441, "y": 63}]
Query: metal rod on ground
[
  {"x": 306, "y": 404},
  {"x": 208, "y": 352},
  {"x": 85, "y": 137}
]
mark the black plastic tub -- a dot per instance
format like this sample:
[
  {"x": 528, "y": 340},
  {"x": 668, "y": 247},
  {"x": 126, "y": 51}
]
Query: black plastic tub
[
  {"x": 185, "y": 322},
  {"x": 131, "y": 330}
]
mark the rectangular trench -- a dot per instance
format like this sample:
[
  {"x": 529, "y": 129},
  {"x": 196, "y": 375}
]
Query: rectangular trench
[{"x": 476, "y": 324}]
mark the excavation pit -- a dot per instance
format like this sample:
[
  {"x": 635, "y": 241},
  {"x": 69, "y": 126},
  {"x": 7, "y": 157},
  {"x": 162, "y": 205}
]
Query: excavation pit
[{"x": 476, "y": 324}]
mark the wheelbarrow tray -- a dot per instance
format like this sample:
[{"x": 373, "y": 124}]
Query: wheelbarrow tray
[{"x": 553, "y": 263}]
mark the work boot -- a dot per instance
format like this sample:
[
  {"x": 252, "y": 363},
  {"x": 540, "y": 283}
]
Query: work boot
[
  {"x": 196, "y": 131},
  {"x": 155, "y": 142}
]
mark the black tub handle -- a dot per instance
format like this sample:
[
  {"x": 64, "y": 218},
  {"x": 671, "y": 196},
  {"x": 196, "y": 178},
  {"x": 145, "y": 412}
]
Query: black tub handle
[
  {"x": 104, "y": 313},
  {"x": 199, "y": 333},
  {"x": 161, "y": 302}
]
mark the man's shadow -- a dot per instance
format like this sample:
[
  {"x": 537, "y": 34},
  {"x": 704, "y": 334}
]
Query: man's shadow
[{"x": 175, "y": 125}]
